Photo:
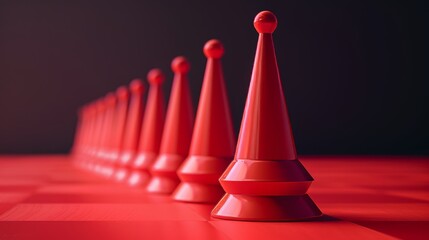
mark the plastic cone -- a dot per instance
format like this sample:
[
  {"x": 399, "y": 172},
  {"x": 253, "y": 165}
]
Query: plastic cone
[
  {"x": 153, "y": 124},
  {"x": 177, "y": 132},
  {"x": 121, "y": 112},
  {"x": 213, "y": 141},
  {"x": 266, "y": 181},
  {"x": 108, "y": 131},
  {"x": 133, "y": 123}
]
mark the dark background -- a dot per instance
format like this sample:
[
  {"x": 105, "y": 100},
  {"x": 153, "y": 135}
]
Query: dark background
[{"x": 353, "y": 71}]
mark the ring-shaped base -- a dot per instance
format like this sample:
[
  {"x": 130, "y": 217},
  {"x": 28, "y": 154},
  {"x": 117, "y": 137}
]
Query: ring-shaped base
[{"x": 266, "y": 208}]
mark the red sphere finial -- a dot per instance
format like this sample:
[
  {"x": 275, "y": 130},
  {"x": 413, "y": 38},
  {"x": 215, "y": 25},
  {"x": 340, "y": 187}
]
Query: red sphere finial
[
  {"x": 100, "y": 105},
  {"x": 155, "y": 76},
  {"x": 265, "y": 22},
  {"x": 122, "y": 93},
  {"x": 180, "y": 65},
  {"x": 136, "y": 85},
  {"x": 110, "y": 99},
  {"x": 213, "y": 49}
]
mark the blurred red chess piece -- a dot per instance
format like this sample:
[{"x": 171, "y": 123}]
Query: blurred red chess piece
[
  {"x": 213, "y": 141},
  {"x": 89, "y": 134},
  {"x": 99, "y": 108},
  {"x": 177, "y": 132},
  {"x": 133, "y": 124},
  {"x": 105, "y": 105},
  {"x": 153, "y": 124},
  {"x": 82, "y": 133},
  {"x": 108, "y": 127},
  {"x": 121, "y": 111},
  {"x": 266, "y": 181},
  {"x": 132, "y": 130}
]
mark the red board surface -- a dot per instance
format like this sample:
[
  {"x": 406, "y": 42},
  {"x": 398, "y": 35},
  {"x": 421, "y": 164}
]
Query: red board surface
[{"x": 46, "y": 197}]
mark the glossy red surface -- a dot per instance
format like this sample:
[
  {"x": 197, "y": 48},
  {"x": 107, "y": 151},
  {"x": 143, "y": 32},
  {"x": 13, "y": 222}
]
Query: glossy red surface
[
  {"x": 363, "y": 197},
  {"x": 213, "y": 140}
]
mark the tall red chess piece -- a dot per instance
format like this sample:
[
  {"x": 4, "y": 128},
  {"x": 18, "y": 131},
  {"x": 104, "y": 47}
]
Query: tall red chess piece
[
  {"x": 177, "y": 132},
  {"x": 213, "y": 141},
  {"x": 133, "y": 124},
  {"x": 265, "y": 181},
  {"x": 153, "y": 124}
]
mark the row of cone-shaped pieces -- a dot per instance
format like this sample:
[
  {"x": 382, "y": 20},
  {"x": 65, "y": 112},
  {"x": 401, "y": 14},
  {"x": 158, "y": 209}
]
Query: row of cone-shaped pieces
[{"x": 264, "y": 182}]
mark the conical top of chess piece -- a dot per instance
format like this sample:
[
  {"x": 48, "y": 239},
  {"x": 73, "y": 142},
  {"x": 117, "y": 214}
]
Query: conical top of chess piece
[
  {"x": 213, "y": 134},
  {"x": 177, "y": 131},
  {"x": 133, "y": 123},
  {"x": 266, "y": 181},
  {"x": 153, "y": 124},
  {"x": 213, "y": 141},
  {"x": 265, "y": 116}
]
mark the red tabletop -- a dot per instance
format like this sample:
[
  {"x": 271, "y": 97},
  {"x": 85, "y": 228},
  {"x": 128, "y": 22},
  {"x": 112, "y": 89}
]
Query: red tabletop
[{"x": 362, "y": 197}]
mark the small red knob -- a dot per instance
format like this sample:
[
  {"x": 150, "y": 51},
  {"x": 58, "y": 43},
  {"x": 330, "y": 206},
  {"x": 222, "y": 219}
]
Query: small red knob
[
  {"x": 213, "y": 49},
  {"x": 122, "y": 93},
  {"x": 136, "y": 85},
  {"x": 265, "y": 22},
  {"x": 180, "y": 65},
  {"x": 155, "y": 76}
]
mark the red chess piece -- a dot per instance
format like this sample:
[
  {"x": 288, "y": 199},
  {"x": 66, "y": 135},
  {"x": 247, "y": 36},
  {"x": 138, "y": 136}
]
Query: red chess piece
[
  {"x": 265, "y": 181},
  {"x": 98, "y": 154},
  {"x": 177, "y": 132},
  {"x": 133, "y": 124},
  {"x": 98, "y": 122},
  {"x": 153, "y": 124},
  {"x": 96, "y": 110},
  {"x": 82, "y": 130},
  {"x": 86, "y": 129},
  {"x": 79, "y": 132},
  {"x": 103, "y": 132},
  {"x": 108, "y": 131},
  {"x": 118, "y": 125},
  {"x": 87, "y": 135},
  {"x": 213, "y": 141}
]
